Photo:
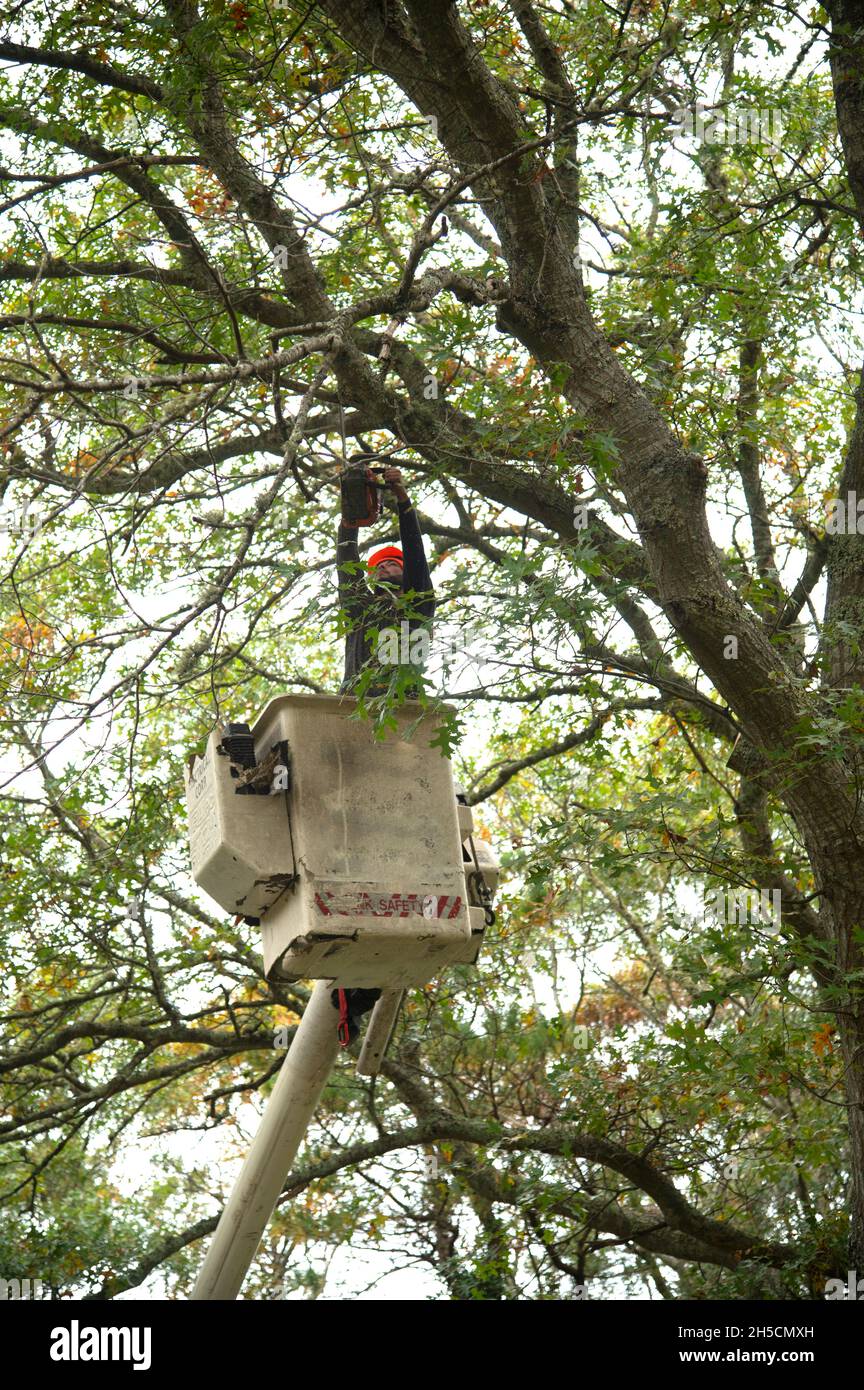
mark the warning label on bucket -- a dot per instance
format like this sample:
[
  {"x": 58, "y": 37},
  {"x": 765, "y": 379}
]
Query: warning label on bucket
[{"x": 340, "y": 901}]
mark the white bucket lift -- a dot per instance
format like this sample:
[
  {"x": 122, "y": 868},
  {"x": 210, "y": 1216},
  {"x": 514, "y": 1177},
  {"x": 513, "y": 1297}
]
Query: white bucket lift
[
  {"x": 352, "y": 859},
  {"x": 356, "y": 857}
]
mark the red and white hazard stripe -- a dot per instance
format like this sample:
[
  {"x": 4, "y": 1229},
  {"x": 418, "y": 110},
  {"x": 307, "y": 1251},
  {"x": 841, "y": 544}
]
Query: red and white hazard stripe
[{"x": 363, "y": 904}]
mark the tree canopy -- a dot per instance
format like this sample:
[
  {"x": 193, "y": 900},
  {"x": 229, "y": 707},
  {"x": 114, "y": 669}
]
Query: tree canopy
[{"x": 591, "y": 272}]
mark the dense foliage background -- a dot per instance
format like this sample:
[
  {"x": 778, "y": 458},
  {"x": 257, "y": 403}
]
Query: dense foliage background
[{"x": 230, "y": 235}]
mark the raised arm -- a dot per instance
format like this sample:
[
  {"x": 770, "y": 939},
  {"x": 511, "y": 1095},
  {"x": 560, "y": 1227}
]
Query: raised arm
[{"x": 415, "y": 570}]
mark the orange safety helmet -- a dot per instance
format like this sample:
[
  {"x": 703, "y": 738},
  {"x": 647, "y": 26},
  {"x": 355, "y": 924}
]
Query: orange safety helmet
[{"x": 389, "y": 552}]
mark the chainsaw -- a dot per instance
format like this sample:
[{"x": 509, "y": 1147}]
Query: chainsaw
[{"x": 360, "y": 484}]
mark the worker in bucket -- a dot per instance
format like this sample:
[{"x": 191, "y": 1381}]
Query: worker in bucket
[
  {"x": 393, "y": 571},
  {"x": 381, "y": 606}
]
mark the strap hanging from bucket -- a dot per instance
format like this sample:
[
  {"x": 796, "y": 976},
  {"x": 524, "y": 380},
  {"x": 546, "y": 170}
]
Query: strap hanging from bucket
[
  {"x": 344, "y": 1029},
  {"x": 484, "y": 892}
]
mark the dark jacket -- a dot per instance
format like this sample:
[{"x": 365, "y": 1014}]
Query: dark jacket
[{"x": 366, "y": 609}]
